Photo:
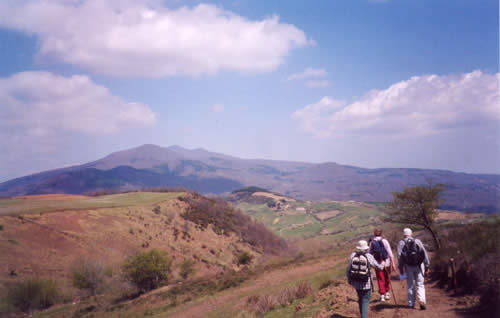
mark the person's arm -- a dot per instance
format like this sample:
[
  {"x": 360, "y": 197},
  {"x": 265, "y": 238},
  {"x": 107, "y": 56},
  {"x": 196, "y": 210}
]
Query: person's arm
[
  {"x": 348, "y": 269},
  {"x": 374, "y": 263},
  {"x": 401, "y": 244},
  {"x": 387, "y": 247},
  {"x": 426, "y": 257}
]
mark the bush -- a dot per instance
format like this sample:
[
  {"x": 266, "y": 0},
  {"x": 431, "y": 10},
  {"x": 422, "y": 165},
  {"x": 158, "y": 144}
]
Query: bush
[
  {"x": 476, "y": 253},
  {"x": 244, "y": 258},
  {"x": 89, "y": 275},
  {"x": 186, "y": 268},
  {"x": 33, "y": 294},
  {"x": 148, "y": 270}
]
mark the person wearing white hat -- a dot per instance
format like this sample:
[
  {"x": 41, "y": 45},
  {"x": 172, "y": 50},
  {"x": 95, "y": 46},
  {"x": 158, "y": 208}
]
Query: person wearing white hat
[
  {"x": 359, "y": 275},
  {"x": 414, "y": 262}
]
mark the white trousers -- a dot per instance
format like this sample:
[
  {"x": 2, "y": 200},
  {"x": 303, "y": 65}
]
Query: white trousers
[{"x": 415, "y": 282}]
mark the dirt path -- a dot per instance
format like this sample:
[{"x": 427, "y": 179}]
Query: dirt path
[
  {"x": 234, "y": 297},
  {"x": 439, "y": 304},
  {"x": 342, "y": 298}
]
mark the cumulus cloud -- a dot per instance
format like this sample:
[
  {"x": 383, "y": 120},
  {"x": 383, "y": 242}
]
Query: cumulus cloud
[
  {"x": 422, "y": 105},
  {"x": 41, "y": 104},
  {"x": 145, "y": 39},
  {"x": 308, "y": 73}
]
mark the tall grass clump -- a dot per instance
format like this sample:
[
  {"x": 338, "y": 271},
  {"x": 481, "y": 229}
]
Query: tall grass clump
[
  {"x": 261, "y": 304},
  {"x": 33, "y": 294},
  {"x": 89, "y": 275}
]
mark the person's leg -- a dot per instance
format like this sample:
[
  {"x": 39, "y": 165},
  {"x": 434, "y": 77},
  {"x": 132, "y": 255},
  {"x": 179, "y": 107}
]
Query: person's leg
[
  {"x": 380, "y": 281},
  {"x": 410, "y": 273},
  {"x": 387, "y": 273},
  {"x": 420, "y": 287},
  {"x": 365, "y": 302},
  {"x": 387, "y": 276},
  {"x": 360, "y": 300}
]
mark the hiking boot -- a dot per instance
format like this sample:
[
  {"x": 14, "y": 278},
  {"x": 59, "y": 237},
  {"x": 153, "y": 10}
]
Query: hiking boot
[
  {"x": 422, "y": 306},
  {"x": 387, "y": 296},
  {"x": 382, "y": 298}
]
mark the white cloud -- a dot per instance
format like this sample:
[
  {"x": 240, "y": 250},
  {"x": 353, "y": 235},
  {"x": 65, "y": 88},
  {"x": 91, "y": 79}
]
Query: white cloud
[
  {"x": 41, "y": 104},
  {"x": 422, "y": 105},
  {"x": 218, "y": 108},
  {"x": 315, "y": 84},
  {"x": 142, "y": 38},
  {"x": 308, "y": 73}
]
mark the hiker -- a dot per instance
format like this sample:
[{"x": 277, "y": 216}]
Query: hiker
[
  {"x": 359, "y": 275},
  {"x": 414, "y": 262},
  {"x": 381, "y": 250}
]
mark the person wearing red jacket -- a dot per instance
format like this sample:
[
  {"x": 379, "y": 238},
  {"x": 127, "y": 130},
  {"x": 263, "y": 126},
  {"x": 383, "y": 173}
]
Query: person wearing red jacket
[{"x": 381, "y": 250}]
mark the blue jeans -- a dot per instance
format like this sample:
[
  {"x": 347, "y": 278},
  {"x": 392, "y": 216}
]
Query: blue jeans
[{"x": 364, "y": 301}]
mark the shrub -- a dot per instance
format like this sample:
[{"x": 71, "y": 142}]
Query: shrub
[
  {"x": 89, "y": 275},
  {"x": 302, "y": 289},
  {"x": 148, "y": 270},
  {"x": 244, "y": 258},
  {"x": 157, "y": 209},
  {"x": 33, "y": 294},
  {"x": 186, "y": 268}
]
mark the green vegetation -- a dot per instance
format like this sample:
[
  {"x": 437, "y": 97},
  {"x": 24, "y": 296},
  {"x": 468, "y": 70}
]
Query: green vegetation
[
  {"x": 147, "y": 270},
  {"x": 32, "y": 294},
  {"x": 476, "y": 255},
  {"x": 302, "y": 220},
  {"x": 18, "y": 206}
]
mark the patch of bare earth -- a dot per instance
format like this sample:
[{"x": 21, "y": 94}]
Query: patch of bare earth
[
  {"x": 325, "y": 215},
  {"x": 49, "y": 244}
]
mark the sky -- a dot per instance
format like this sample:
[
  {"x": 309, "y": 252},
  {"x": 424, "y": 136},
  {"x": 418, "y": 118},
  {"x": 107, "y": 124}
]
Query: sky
[{"x": 369, "y": 83}]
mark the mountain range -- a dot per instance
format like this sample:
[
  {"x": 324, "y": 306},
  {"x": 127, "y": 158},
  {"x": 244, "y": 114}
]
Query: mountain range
[{"x": 210, "y": 172}]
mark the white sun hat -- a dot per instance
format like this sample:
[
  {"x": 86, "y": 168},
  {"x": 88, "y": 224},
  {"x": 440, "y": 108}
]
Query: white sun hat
[
  {"x": 407, "y": 232},
  {"x": 362, "y": 246}
]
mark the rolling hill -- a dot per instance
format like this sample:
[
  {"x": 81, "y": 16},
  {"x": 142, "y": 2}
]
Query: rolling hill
[{"x": 209, "y": 172}]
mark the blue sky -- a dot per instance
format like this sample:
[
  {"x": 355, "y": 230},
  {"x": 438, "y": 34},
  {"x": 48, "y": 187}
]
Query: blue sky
[{"x": 394, "y": 83}]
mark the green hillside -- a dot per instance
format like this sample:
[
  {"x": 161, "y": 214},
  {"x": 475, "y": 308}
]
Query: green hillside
[{"x": 305, "y": 219}]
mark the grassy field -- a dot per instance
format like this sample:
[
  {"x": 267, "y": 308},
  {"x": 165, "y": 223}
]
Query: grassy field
[
  {"x": 16, "y": 206},
  {"x": 344, "y": 220}
]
